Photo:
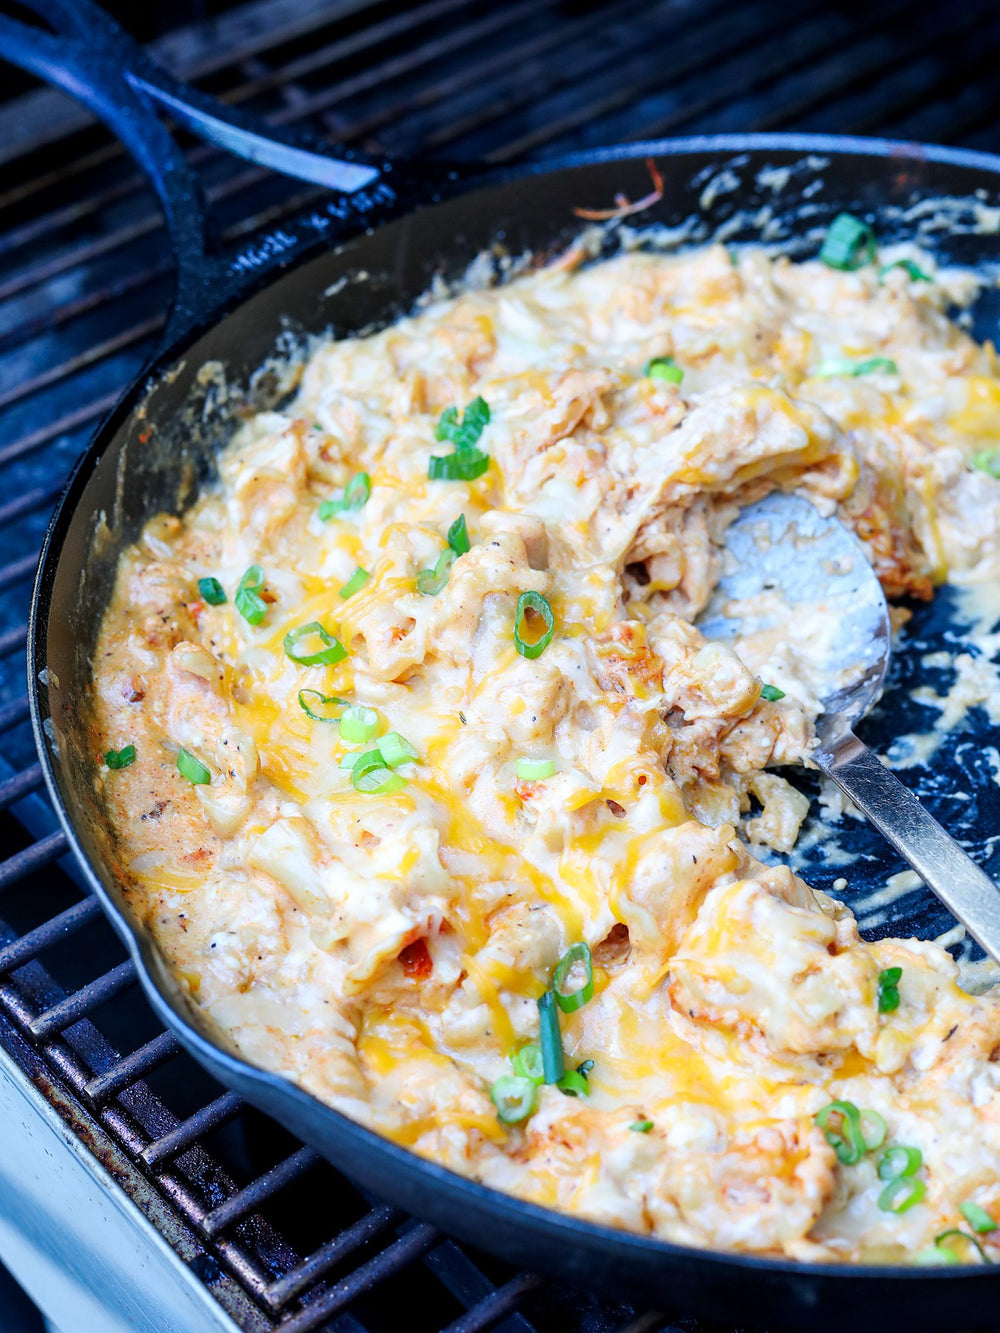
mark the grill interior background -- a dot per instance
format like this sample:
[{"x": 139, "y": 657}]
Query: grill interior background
[{"x": 282, "y": 1240}]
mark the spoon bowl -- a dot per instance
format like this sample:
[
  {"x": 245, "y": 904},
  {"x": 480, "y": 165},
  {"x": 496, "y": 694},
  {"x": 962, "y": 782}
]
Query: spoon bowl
[{"x": 794, "y": 576}]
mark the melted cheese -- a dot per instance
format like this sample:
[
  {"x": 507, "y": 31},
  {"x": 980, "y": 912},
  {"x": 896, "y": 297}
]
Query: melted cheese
[{"x": 387, "y": 951}]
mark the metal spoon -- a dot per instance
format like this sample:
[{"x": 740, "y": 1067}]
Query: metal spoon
[{"x": 782, "y": 554}]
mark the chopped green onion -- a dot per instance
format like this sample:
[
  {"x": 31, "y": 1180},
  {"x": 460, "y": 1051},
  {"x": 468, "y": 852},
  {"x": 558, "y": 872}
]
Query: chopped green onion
[
  {"x": 395, "y": 750},
  {"x": 876, "y": 365},
  {"x": 664, "y": 368},
  {"x": 837, "y": 365},
  {"x": 528, "y": 1063},
  {"x": 550, "y": 1039},
  {"x": 332, "y": 651},
  {"x": 120, "y": 758},
  {"x": 964, "y": 1235},
  {"x": 977, "y": 1218},
  {"x": 355, "y": 496},
  {"x": 350, "y": 760},
  {"x": 212, "y": 591},
  {"x": 535, "y": 770},
  {"x": 901, "y": 1194},
  {"x": 873, "y": 1130},
  {"x": 641, "y": 1126},
  {"x": 888, "y": 991},
  {"x": 464, "y": 466},
  {"x": 458, "y": 536},
  {"x": 988, "y": 461},
  {"x": 431, "y": 581},
  {"x": 249, "y": 602},
  {"x": 465, "y": 433},
  {"x": 533, "y": 601},
  {"x": 358, "y": 724},
  {"x": 574, "y": 1084},
  {"x": 355, "y": 583},
  {"x": 899, "y": 1160},
  {"x": 191, "y": 768},
  {"x": 369, "y": 774},
  {"x": 848, "y": 244},
  {"x": 319, "y": 706},
  {"x": 935, "y": 1254},
  {"x": 514, "y": 1098},
  {"x": 913, "y": 272},
  {"x": 577, "y": 955},
  {"x": 847, "y": 1141},
  {"x": 771, "y": 693}
]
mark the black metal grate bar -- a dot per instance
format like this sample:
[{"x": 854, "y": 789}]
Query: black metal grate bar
[
  {"x": 132, "y": 1068},
  {"x": 488, "y": 1313},
  {"x": 82, "y": 1002},
  {"x": 353, "y": 1238},
  {"x": 33, "y": 858},
  {"x": 54, "y": 931},
  {"x": 249, "y": 1199},
  {"x": 210, "y": 1117},
  {"x": 397, "y": 1256}
]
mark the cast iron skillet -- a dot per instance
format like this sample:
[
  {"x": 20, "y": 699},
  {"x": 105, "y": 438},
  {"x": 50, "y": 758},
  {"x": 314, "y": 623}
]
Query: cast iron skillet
[{"x": 335, "y": 268}]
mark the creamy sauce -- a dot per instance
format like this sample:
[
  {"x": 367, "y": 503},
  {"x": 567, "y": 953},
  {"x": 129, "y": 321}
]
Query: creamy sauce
[{"x": 386, "y": 949}]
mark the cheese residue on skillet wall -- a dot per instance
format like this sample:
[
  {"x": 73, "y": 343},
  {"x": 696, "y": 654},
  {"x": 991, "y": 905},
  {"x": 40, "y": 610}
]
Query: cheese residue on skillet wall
[{"x": 386, "y": 949}]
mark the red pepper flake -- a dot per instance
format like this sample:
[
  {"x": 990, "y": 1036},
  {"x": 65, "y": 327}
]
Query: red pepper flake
[
  {"x": 416, "y": 961},
  {"x": 623, "y": 207},
  {"x": 145, "y": 436}
]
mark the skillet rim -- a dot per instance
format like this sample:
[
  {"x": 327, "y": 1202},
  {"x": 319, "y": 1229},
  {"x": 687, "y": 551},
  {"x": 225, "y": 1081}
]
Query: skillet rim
[{"x": 561, "y": 1227}]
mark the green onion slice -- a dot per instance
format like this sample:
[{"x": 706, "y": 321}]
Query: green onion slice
[
  {"x": 395, "y": 750},
  {"x": 577, "y": 955},
  {"x": 844, "y": 1133},
  {"x": 249, "y": 602},
  {"x": 120, "y": 758},
  {"x": 873, "y": 1130},
  {"x": 901, "y": 1194},
  {"x": 193, "y": 769},
  {"x": 899, "y": 1160},
  {"x": 535, "y": 770},
  {"x": 935, "y": 1254},
  {"x": 358, "y": 724},
  {"x": 356, "y": 494},
  {"x": 574, "y": 1084},
  {"x": 463, "y": 434},
  {"x": 350, "y": 760},
  {"x": 528, "y": 1063},
  {"x": 550, "y": 1038},
  {"x": 320, "y": 707},
  {"x": 514, "y": 1097},
  {"x": 771, "y": 693},
  {"x": 888, "y": 993},
  {"x": 977, "y": 1218},
  {"x": 915, "y": 273},
  {"x": 664, "y": 368},
  {"x": 533, "y": 601},
  {"x": 211, "y": 591},
  {"x": 354, "y": 584},
  {"x": 332, "y": 651},
  {"x": 369, "y": 774},
  {"x": 837, "y": 365},
  {"x": 848, "y": 244},
  {"x": 458, "y": 536},
  {"x": 963, "y": 1235},
  {"x": 464, "y": 466},
  {"x": 988, "y": 461},
  {"x": 641, "y": 1126},
  {"x": 431, "y": 581}
]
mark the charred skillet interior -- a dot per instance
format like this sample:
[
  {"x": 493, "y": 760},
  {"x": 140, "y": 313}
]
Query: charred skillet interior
[{"x": 160, "y": 444}]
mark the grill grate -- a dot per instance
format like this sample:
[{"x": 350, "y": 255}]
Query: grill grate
[{"x": 279, "y": 1238}]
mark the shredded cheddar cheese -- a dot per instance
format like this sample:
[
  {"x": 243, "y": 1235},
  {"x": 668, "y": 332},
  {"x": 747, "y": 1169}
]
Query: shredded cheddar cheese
[{"x": 387, "y": 948}]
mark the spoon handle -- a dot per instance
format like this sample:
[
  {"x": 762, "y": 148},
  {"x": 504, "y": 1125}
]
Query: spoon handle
[{"x": 934, "y": 854}]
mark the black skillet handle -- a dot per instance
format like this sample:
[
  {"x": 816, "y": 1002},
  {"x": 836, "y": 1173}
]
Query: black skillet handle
[{"x": 89, "y": 56}]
